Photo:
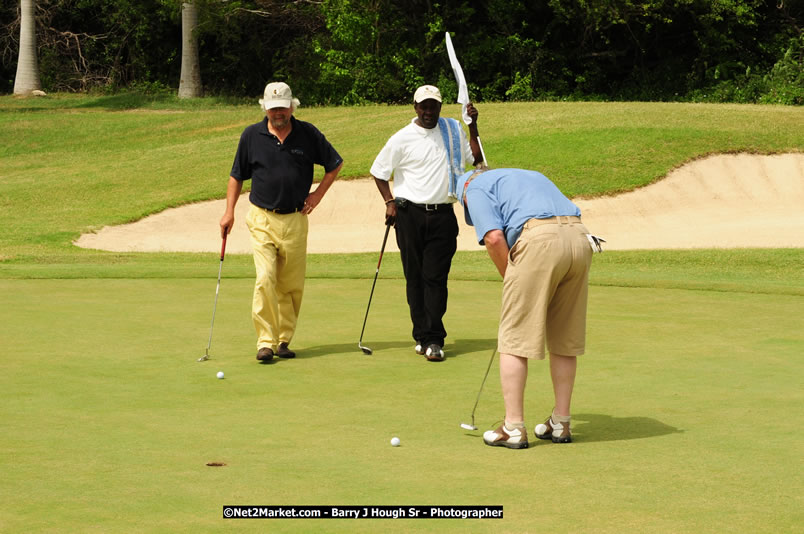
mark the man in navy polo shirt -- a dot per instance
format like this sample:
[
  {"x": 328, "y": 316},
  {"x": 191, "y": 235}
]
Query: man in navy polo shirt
[{"x": 278, "y": 154}]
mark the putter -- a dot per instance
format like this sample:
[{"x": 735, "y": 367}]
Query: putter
[
  {"x": 367, "y": 350},
  {"x": 467, "y": 426},
  {"x": 215, "y": 307}
]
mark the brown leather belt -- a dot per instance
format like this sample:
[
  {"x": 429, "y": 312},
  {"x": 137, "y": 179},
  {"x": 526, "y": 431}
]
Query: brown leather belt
[{"x": 561, "y": 219}]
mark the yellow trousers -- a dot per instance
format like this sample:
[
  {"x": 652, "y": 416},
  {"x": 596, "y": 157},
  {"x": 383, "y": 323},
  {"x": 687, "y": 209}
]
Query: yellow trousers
[{"x": 280, "y": 258}]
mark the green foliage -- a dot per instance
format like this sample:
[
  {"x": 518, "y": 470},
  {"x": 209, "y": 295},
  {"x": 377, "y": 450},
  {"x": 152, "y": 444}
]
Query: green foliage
[
  {"x": 351, "y": 66},
  {"x": 350, "y": 52},
  {"x": 378, "y": 51},
  {"x": 785, "y": 82},
  {"x": 521, "y": 89}
]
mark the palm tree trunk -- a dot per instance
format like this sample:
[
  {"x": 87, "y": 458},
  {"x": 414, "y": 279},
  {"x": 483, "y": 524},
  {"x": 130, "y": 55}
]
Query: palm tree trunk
[
  {"x": 27, "y": 78},
  {"x": 190, "y": 82}
]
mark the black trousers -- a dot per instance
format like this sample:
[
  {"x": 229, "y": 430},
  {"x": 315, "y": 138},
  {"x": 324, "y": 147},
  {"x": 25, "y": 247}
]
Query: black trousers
[{"x": 427, "y": 243}]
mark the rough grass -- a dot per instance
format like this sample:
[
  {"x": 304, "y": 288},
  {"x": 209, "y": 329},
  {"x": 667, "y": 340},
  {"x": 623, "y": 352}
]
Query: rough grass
[
  {"x": 70, "y": 164},
  {"x": 771, "y": 271}
]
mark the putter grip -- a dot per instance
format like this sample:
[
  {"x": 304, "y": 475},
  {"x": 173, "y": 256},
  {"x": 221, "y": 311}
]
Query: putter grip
[{"x": 223, "y": 246}]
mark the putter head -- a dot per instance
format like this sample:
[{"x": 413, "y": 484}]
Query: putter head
[
  {"x": 367, "y": 351},
  {"x": 466, "y": 426},
  {"x": 204, "y": 358}
]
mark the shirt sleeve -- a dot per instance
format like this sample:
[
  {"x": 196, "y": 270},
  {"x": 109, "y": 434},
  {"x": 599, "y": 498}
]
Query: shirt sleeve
[
  {"x": 241, "y": 167},
  {"x": 485, "y": 213},
  {"x": 328, "y": 157},
  {"x": 383, "y": 166}
]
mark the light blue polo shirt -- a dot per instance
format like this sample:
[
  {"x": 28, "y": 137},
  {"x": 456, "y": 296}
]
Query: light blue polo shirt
[{"x": 505, "y": 199}]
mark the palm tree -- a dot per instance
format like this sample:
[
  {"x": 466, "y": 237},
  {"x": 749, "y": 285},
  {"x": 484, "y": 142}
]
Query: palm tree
[
  {"x": 190, "y": 82},
  {"x": 27, "y": 78}
]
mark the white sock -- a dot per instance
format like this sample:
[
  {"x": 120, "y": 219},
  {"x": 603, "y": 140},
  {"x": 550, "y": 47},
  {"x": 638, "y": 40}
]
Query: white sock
[
  {"x": 560, "y": 418},
  {"x": 514, "y": 426}
]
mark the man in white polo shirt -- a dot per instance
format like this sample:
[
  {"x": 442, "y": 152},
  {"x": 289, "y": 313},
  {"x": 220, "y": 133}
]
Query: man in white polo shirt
[{"x": 425, "y": 159}]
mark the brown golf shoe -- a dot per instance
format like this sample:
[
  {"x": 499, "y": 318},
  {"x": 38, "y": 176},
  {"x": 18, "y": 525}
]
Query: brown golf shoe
[
  {"x": 502, "y": 437},
  {"x": 265, "y": 354},
  {"x": 552, "y": 430},
  {"x": 284, "y": 351}
]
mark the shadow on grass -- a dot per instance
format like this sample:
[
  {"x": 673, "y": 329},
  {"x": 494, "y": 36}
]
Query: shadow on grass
[
  {"x": 464, "y": 346},
  {"x": 29, "y": 109},
  {"x": 452, "y": 350},
  {"x": 343, "y": 348},
  {"x": 123, "y": 101},
  {"x": 589, "y": 428}
]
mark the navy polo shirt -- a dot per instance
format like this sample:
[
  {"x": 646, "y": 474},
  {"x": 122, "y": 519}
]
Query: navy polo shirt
[{"x": 282, "y": 173}]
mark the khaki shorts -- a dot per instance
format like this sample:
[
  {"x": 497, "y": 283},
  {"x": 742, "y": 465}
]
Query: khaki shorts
[{"x": 545, "y": 290}]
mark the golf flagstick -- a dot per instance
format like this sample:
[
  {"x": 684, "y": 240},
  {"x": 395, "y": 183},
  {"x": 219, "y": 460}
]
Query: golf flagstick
[
  {"x": 463, "y": 89},
  {"x": 215, "y": 307},
  {"x": 367, "y": 350}
]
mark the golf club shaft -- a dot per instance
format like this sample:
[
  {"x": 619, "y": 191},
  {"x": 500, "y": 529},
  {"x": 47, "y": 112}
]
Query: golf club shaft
[
  {"x": 376, "y": 273},
  {"x": 217, "y": 290},
  {"x": 483, "y": 383}
]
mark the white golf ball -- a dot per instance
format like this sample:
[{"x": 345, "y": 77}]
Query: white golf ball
[
  {"x": 395, "y": 441},
  {"x": 220, "y": 374}
]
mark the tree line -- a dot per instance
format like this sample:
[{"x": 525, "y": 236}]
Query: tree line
[{"x": 346, "y": 52}]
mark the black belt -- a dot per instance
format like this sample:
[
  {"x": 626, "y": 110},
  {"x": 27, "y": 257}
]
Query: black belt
[
  {"x": 431, "y": 207},
  {"x": 283, "y": 211}
]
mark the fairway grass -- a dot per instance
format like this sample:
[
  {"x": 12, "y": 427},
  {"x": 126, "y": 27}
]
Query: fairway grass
[
  {"x": 687, "y": 413},
  {"x": 772, "y": 271},
  {"x": 112, "y": 164}
]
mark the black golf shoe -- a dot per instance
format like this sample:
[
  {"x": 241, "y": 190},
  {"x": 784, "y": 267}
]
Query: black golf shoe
[{"x": 434, "y": 353}]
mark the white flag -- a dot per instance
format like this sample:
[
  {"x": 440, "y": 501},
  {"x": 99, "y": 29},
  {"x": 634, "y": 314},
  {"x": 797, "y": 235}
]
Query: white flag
[{"x": 463, "y": 90}]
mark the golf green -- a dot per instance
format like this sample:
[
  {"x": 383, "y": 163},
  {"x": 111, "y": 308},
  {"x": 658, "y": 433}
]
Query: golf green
[{"x": 687, "y": 412}]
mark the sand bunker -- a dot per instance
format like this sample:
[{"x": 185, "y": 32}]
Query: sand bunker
[{"x": 724, "y": 201}]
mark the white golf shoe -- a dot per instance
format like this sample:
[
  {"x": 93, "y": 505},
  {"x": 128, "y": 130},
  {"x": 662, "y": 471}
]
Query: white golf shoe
[
  {"x": 503, "y": 437},
  {"x": 556, "y": 431}
]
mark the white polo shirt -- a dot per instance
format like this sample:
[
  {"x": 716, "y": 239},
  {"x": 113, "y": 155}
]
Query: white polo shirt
[{"x": 418, "y": 161}]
